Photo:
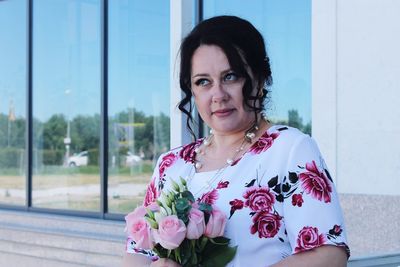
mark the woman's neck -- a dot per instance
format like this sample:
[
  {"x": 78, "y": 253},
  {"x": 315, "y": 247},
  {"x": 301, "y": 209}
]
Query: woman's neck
[{"x": 226, "y": 142}]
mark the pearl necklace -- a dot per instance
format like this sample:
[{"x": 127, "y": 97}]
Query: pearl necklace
[{"x": 248, "y": 137}]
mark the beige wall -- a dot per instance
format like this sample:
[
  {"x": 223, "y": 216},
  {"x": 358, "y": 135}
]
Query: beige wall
[{"x": 356, "y": 92}]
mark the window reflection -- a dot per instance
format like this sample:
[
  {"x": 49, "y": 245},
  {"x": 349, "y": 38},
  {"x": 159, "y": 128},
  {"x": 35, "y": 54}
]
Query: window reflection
[
  {"x": 12, "y": 102},
  {"x": 286, "y": 28},
  {"x": 138, "y": 97},
  {"x": 66, "y": 104}
]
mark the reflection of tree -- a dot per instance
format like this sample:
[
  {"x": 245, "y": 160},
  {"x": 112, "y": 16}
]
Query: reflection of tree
[
  {"x": 133, "y": 130},
  {"x": 294, "y": 120},
  {"x": 150, "y": 139}
]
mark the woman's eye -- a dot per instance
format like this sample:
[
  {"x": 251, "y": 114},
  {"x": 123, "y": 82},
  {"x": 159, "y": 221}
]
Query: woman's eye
[
  {"x": 229, "y": 77},
  {"x": 201, "y": 82}
]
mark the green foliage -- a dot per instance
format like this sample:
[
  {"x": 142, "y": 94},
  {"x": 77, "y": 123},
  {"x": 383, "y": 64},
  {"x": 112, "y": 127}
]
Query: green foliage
[
  {"x": 150, "y": 139},
  {"x": 52, "y": 157},
  {"x": 294, "y": 120},
  {"x": 94, "y": 156},
  {"x": 11, "y": 157}
]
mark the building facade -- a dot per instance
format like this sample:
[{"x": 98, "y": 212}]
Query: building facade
[{"x": 88, "y": 95}]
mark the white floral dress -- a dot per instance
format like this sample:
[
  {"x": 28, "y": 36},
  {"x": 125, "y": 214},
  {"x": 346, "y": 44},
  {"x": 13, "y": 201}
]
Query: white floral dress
[{"x": 279, "y": 197}]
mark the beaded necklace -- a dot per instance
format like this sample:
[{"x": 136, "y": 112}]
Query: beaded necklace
[{"x": 247, "y": 139}]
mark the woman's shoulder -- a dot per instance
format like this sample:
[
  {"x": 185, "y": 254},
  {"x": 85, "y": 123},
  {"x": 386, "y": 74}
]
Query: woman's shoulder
[
  {"x": 285, "y": 133},
  {"x": 186, "y": 152}
]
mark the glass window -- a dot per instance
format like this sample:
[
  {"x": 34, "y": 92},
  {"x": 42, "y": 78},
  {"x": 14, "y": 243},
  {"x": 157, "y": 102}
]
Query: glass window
[
  {"x": 66, "y": 104},
  {"x": 138, "y": 97},
  {"x": 286, "y": 28},
  {"x": 13, "y": 42}
]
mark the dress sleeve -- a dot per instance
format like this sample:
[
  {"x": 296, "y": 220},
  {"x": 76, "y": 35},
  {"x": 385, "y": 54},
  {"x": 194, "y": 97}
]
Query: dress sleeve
[
  {"x": 312, "y": 212},
  {"x": 152, "y": 192}
]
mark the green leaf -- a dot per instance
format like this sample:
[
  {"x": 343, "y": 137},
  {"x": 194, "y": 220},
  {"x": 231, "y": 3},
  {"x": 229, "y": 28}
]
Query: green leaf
[
  {"x": 219, "y": 256},
  {"x": 175, "y": 186},
  {"x": 188, "y": 195},
  {"x": 182, "y": 205},
  {"x": 202, "y": 244},
  {"x": 183, "y": 181},
  {"x": 177, "y": 253},
  {"x": 220, "y": 240},
  {"x": 204, "y": 207}
]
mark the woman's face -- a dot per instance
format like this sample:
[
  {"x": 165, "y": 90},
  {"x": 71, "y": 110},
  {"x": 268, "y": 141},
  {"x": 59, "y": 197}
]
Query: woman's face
[{"x": 217, "y": 92}]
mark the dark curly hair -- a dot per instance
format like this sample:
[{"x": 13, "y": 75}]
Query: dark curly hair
[{"x": 245, "y": 49}]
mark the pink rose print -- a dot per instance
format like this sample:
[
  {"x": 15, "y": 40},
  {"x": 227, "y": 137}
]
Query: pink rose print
[
  {"x": 316, "y": 183},
  {"x": 259, "y": 198},
  {"x": 209, "y": 197},
  {"x": 266, "y": 224},
  {"x": 236, "y": 204},
  {"x": 309, "y": 238},
  {"x": 263, "y": 143},
  {"x": 166, "y": 162},
  {"x": 222, "y": 184},
  {"x": 187, "y": 153},
  {"x": 151, "y": 194},
  {"x": 297, "y": 200}
]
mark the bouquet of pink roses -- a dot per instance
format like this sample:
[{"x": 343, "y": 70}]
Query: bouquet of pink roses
[{"x": 179, "y": 228}]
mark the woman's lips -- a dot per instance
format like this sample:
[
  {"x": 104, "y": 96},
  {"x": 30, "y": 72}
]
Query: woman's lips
[{"x": 222, "y": 112}]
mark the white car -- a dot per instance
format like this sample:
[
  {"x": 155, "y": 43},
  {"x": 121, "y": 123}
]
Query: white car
[
  {"x": 132, "y": 160},
  {"x": 79, "y": 159}
]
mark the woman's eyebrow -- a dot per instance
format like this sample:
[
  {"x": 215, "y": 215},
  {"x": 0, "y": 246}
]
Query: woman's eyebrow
[{"x": 200, "y": 75}]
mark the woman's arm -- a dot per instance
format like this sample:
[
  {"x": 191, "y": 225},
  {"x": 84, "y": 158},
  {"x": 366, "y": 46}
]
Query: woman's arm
[
  {"x": 327, "y": 255},
  {"x": 131, "y": 260}
]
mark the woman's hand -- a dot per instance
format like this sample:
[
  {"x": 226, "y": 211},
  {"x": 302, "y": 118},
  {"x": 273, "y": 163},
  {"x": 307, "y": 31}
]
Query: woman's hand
[{"x": 163, "y": 262}]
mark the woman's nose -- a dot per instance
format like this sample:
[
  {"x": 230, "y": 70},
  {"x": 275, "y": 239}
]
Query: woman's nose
[{"x": 219, "y": 92}]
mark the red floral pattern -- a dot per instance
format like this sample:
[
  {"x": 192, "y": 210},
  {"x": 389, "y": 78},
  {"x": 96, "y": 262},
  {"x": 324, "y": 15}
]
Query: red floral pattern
[
  {"x": 188, "y": 153},
  {"x": 266, "y": 224},
  {"x": 166, "y": 162},
  {"x": 222, "y": 184},
  {"x": 316, "y": 183},
  {"x": 151, "y": 194},
  {"x": 309, "y": 238},
  {"x": 209, "y": 197},
  {"x": 263, "y": 143},
  {"x": 259, "y": 198},
  {"x": 236, "y": 204},
  {"x": 297, "y": 200}
]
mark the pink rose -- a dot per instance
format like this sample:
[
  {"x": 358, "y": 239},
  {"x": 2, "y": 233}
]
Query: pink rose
[
  {"x": 297, "y": 200},
  {"x": 309, "y": 238},
  {"x": 151, "y": 194},
  {"x": 196, "y": 225},
  {"x": 263, "y": 143},
  {"x": 316, "y": 183},
  {"x": 209, "y": 197},
  {"x": 166, "y": 162},
  {"x": 259, "y": 198},
  {"x": 138, "y": 229},
  {"x": 266, "y": 224},
  {"x": 216, "y": 223},
  {"x": 171, "y": 232}
]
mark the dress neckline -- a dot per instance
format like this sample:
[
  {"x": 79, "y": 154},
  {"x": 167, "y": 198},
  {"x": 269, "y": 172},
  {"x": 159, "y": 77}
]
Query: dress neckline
[{"x": 269, "y": 130}]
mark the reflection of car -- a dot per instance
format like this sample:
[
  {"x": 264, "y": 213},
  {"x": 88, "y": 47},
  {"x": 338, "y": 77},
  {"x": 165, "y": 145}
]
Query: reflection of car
[
  {"x": 131, "y": 159},
  {"x": 78, "y": 159}
]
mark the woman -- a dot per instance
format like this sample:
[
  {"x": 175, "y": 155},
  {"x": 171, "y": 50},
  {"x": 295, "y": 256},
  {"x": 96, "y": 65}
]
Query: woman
[{"x": 271, "y": 181}]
